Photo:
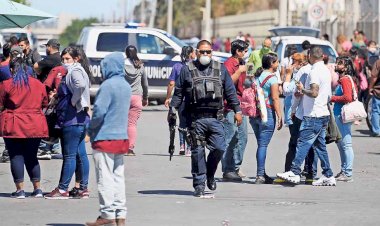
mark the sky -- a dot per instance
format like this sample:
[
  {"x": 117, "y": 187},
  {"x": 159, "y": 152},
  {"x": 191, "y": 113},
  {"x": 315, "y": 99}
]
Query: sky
[{"x": 83, "y": 8}]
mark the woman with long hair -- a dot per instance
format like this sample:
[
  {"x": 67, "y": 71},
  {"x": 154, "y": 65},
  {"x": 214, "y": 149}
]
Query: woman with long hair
[
  {"x": 23, "y": 124},
  {"x": 136, "y": 77},
  {"x": 265, "y": 77},
  {"x": 72, "y": 113},
  {"x": 344, "y": 93},
  {"x": 187, "y": 54}
]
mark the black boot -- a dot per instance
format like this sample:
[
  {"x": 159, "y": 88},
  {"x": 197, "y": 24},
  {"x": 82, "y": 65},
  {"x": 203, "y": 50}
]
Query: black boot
[
  {"x": 231, "y": 176},
  {"x": 211, "y": 183}
]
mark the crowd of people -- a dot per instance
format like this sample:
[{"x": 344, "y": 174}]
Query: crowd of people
[
  {"x": 317, "y": 96},
  {"x": 43, "y": 101}
]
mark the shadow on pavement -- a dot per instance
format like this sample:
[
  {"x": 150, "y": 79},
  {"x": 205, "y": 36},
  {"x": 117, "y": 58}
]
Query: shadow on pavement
[
  {"x": 160, "y": 155},
  {"x": 5, "y": 195},
  {"x": 166, "y": 192},
  {"x": 366, "y": 132},
  {"x": 374, "y": 153},
  {"x": 167, "y": 155},
  {"x": 56, "y": 224}
]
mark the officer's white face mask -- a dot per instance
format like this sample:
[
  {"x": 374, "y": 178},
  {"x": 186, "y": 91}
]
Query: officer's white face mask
[{"x": 204, "y": 60}]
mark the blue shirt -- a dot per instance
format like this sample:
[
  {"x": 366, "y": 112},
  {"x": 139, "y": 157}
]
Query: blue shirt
[
  {"x": 337, "y": 105},
  {"x": 268, "y": 84},
  {"x": 176, "y": 70},
  {"x": 5, "y": 72}
]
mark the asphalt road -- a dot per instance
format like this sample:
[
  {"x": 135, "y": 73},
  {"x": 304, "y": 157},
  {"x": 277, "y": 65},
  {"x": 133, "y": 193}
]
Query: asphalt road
[{"x": 159, "y": 192}]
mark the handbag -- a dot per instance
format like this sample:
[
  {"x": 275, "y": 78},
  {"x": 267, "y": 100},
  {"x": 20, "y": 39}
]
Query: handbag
[{"x": 355, "y": 110}]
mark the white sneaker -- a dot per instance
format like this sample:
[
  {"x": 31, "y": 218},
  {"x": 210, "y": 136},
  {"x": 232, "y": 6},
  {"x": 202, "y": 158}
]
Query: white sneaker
[
  {"x": 325, "y": 181},
  {"x": 44, "y": 155},
  {"x": 290, "y": 177}
]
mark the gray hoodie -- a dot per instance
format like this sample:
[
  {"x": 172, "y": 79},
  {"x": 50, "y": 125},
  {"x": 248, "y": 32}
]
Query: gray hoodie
[
  {"x": 136, "y": 77},
  {"x": 79, "y": 85}
]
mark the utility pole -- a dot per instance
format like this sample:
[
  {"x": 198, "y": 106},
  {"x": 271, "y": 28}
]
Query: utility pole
[
  {"x": 207, "y": 21},
  {"x": 124, "y": 11},
  {"x": 378, "y": 20},
  {"x": 283, "y": 13},
  {"x": 170, "y": 17},
  {"x": 153, "y": 16},
  {"x": 142, "y": 11}
]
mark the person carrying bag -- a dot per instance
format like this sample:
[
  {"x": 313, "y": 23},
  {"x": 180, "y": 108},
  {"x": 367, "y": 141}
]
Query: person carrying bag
[{"x": 354, "y": 110}]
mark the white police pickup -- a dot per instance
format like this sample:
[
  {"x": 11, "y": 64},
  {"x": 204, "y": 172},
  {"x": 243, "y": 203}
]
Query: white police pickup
[{"x": 158, "y": 50}]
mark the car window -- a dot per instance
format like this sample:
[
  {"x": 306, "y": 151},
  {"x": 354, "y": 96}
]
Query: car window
[
  {"x": 326, "y": 50},
  {"x": 111, "y": 42},
  {"x": 148, "y": 44},
  {"x": 278, "y": 49}
]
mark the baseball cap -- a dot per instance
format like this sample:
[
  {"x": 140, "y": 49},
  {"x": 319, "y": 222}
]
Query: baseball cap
[{"x": 53, "y": 43}]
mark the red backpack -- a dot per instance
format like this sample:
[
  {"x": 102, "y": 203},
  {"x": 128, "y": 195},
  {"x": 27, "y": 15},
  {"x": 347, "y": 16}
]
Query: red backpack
[{"x": 249, "y": 102}]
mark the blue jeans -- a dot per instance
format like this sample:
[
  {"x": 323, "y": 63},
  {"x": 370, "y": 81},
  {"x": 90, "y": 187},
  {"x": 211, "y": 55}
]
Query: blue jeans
[
  {"x": 345, "y": 146},
  {"x": 312, "y": 134},
  {"x": 74, "y": 152},
  {"x": 375, "y": 120},
  {"x": 23, "y": 151},
  {"x": 287, "y": 110},
  {"x": 311, "y": 159},
  {"x": 212, "y": 130},
  {"x": 236, "y": 140},
  {"x": 263, "y": 134}
]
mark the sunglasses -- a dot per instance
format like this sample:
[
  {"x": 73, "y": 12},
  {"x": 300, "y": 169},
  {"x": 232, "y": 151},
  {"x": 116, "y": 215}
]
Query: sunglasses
[
  {"x": 340, "y": 63},
  {"x": 205, "y": 51}
]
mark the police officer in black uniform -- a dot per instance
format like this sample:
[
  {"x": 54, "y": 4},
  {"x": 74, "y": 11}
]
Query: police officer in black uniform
[{"x": 204, "y": 84}]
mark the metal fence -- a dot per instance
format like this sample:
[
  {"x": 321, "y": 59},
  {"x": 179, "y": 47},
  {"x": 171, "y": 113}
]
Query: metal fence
[{"x": 370, "y": 28}]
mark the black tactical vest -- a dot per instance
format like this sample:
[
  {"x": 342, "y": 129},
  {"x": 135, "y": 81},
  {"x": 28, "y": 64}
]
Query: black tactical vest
[{"x": 207, "y": 90}]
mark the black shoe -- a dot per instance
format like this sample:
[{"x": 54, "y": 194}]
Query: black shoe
[
  {"x": 211, "y": 183},
  {"x": 199, "y": 191},
  {"x": 264, "y": 180},
  {"x": 231, "y": 176},
  {"x": 74, "y": 193}
]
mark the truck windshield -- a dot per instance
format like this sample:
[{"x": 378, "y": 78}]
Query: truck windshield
[
  {"x": 326, "y": 50},
  {"x": 175, "y": 39}
]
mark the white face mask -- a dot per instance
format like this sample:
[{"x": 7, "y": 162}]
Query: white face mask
[
  {"x": 204, "y": 60},
  {"x": 372, "y": 49},
  {"x": 246, "y": 55},
  {"x": 68, "y": 64}
]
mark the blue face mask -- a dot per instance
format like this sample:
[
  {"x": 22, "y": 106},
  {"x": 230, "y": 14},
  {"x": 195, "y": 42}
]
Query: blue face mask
[{"x": 68, "y": 65}]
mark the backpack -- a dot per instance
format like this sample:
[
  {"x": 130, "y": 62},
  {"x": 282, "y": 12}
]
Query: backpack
[
  {"x": 253, "y": 103},
  {"x": 207, "y": 91}
]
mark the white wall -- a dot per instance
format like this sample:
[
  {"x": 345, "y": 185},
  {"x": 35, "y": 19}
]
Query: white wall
[{"x": 256, "y": 24}]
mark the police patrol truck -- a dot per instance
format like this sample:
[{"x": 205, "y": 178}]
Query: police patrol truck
[{"x": 158, "y": 50}]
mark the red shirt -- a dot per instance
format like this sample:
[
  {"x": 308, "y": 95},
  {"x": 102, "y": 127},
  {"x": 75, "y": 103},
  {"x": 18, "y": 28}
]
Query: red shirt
[
  {"x": 232, "y": 65},
  {"x": 347, "y": 96},
  {"x": 5, "y": 62},
  {"x": 111, "y": 146},
  {"x": 55, "y": 76},
  {"x": 22, "y": 116},
  {"x": 227, "y": 46}
]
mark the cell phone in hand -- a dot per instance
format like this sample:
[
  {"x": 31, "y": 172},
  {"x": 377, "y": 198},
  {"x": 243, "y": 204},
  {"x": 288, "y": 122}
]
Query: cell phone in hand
[{"x": 250, "y": 72}]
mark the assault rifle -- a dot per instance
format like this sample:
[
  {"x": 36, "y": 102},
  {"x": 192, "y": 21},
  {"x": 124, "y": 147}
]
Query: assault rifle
[{"x": 172, "y": 121}]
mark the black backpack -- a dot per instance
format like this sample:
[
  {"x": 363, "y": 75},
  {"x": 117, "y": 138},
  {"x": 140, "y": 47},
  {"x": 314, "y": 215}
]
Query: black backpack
[{"x": 207, "y": 91}]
